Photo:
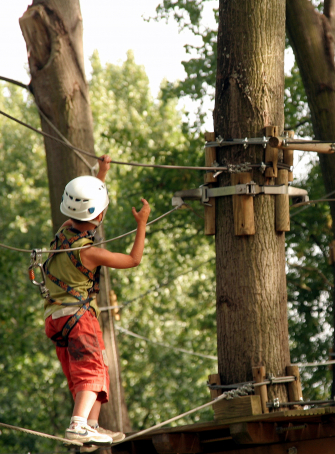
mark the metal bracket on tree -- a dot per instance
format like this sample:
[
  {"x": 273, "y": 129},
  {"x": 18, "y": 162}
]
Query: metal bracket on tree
[{"x": 204, "y": 193}]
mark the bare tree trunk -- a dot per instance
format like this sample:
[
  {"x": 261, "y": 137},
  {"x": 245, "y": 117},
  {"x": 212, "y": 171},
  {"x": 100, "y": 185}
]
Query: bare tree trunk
[
  {"x": 251, "y": 282},
  {"x": 52, "y": 30},
  {"x": 312, "y": 36}
]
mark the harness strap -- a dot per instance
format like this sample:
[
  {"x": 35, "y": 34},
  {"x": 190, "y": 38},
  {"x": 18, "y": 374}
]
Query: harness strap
[
  {"x": 66, "y": 244},
  {"x": 61, "y": 338}
]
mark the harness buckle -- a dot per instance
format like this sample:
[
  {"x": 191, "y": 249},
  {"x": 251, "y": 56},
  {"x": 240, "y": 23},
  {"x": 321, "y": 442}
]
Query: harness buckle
[{"x": 36, "y": 262}]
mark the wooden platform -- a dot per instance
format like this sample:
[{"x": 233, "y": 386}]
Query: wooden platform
[{"x": 284, "y": 432}]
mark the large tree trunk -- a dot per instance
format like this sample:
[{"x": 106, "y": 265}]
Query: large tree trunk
[
  {"x": 312, "y": 36},
  {"x": 251, "y": 282},
  {"x": 53, "y": 33}
]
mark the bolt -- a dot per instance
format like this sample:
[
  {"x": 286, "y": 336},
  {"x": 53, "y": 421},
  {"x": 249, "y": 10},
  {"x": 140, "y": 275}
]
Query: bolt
[{"x": 292, "y": 450}]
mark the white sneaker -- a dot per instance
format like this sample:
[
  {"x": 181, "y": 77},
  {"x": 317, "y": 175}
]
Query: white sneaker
[{"x": 85, "y": 434}]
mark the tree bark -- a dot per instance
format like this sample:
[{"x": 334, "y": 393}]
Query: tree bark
[
  {"x": 251, "y": 282},
  {"x": 312, "y": 36},
  {"x": 52, "y": 30}
]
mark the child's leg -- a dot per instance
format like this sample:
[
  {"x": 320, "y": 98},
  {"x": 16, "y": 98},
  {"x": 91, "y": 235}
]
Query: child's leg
[
  {"x": 84, "y": 403},
  {"x": 94, "y": 413}
]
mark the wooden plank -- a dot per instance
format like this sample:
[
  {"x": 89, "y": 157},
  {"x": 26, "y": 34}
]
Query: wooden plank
[
  {"x": 210, "y": 158},
  {"x": 181, "y": 443},
  {"x": 261, "y": 391},
  {"x": 282, "y": 204},
  {"x": 243, "y": 207}
]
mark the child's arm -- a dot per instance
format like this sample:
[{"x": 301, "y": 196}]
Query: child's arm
[
  {"x": 104, "y": 167},
  {"x": 93, "y": 257}
]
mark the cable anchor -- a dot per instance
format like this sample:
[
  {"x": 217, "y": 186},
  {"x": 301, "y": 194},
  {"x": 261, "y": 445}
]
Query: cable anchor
[{"x": 36, "y": 262}]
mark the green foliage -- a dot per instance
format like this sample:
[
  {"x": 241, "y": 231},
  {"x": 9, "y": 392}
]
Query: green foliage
[
  {"x": 310, "y": 286},
  {"x": 297, "y": 113}
]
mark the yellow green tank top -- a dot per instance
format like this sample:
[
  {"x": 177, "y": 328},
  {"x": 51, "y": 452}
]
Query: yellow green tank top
[{"x": 61, "y": 266}]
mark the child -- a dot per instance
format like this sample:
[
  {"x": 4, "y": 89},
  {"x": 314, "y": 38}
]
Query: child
[{"x": 71, "y": 314}]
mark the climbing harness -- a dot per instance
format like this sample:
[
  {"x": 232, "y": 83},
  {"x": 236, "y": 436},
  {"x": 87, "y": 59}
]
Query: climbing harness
[
  {"x": 61, "y": 339},
  {"x": 65, "y": 244},
  {"x": 62, "y": 243}
]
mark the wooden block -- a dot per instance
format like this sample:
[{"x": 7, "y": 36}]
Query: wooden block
[
  {"x": 288, "y": 154},
  {"x": 243, "y": 207},
  {"x": 271, "y": 154},
  {"x": 181, "y": 443},
  {"x": 294, "y": 388},
  {"x": 214, "y": 379},
  {"x": 282, "y": 204},
  {"x": 261, "y": 391},
  {"x": 237, "y": 407},
  {"x": 290, "y": 176},
  {"x": 210, "y": 158}
]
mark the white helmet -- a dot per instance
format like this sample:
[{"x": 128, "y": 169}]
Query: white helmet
[{"x": 84, "y": 198}]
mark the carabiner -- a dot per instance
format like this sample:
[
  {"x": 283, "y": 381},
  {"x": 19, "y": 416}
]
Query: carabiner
[{"x": 36, "y": 259}]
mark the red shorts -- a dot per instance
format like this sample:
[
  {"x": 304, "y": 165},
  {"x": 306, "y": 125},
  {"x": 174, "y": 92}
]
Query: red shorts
[{"x": 84, "y": 360}]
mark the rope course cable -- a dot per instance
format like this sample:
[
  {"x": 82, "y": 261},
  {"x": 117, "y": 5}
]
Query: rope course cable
[
  {"x": 47, "y": 251},
  {"x": 133, "y": 164},
  {"x": 181, "y": 350}
]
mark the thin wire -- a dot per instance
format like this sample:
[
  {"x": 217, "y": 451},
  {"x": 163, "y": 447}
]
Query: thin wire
[
  {"x": 188, "y": 352},
  {"x": 47, "y": 251},
  {"x": 91, "y": 168}
]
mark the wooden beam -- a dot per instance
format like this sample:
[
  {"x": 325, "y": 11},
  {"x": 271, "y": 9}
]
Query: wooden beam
[
  {"x": 210, "y": 158},
  {"x": 271, "y": 153},
  {"x": 243, "y": 207},
  {"x": 298, "y": 144},
  {"x": 259, "y": 376},
  {"x": 282, "y": 204}
]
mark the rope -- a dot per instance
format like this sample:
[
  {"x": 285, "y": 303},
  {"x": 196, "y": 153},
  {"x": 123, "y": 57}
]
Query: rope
[
  {"x": 47, "y": 251},
  {"x": 45, "y": 134},
  {"x": 164, "y": 423},
  {"x": 176, "y": 349},
  {"x": 40, "y": 434}
]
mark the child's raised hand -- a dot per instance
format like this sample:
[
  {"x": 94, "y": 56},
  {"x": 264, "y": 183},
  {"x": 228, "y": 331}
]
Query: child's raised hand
[
  {"x": 143, "y": 214},
  {"x": 104, "y": 165}
]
